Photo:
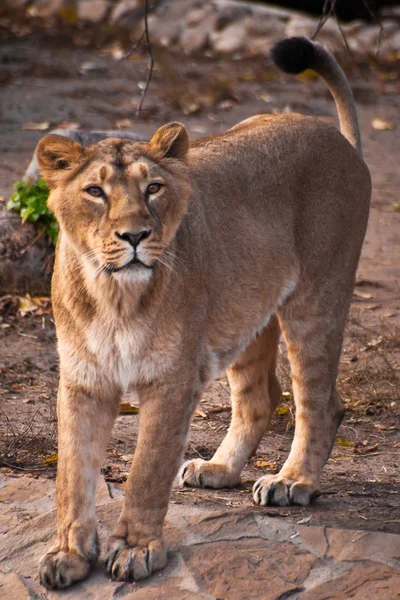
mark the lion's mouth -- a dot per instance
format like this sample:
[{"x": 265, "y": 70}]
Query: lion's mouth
[{"x": 134, "y": 263}]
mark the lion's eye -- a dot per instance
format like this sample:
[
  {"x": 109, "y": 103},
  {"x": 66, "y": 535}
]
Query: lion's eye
[
  {"x": 95, "y": 191},
  {"x": 153, "y": 188}
]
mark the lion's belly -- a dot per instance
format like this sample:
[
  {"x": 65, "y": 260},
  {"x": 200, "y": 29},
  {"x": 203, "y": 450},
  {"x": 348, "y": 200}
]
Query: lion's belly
[{"x": 235, "y": 341}]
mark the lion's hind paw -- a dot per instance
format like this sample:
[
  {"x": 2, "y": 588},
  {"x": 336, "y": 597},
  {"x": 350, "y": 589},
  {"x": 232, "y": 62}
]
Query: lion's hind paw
[{"x": 279, "y": 491}]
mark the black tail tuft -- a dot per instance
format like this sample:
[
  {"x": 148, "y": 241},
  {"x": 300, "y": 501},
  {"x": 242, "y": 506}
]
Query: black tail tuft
[{"x": 294, "y": 55}]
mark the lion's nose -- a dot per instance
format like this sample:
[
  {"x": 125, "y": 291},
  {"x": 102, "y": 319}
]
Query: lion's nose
[{"x": 134, "y": 237}]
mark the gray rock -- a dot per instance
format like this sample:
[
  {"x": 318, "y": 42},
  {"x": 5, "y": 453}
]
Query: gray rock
[
  {"x": 197, "y": 15},
  {"x": 393, "y": 42},
  {"x": 125, "y": 11},
  {"x": 46, "y": 8},
  {"x": 12, "y": 587},
  {"x": 230, "y": 40},
  {"x": 25, "y": 261},
  {"x": 196, "y": 38},
  {"x": 93, "y": 11}
]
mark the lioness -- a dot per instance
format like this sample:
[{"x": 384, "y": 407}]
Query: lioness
[{"x": 176, "y": 262}]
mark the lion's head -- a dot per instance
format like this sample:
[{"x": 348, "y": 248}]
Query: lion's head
[{"x": 119, "y": 203}]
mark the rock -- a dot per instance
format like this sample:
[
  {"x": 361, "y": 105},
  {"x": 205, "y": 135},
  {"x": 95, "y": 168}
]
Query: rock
[
  {"x": 299, "y": 25},
  {"x": 265, "y": 25},
  {"x": 25, "y": 260},
  {"x": 196, "y": 15},
  {"x": 366, "y": 580},
  {"x": 12, "y": 587},
  {"x": 393, "y": 42},
  {"x": 196, "y": 38},
  {"x": 221, "y": 525},
  {"x": 226, "y": 568},
  {"x": 230, "y": 40},
  {"x": 46, "y": 8},
  {"x": 93, "y": 11},
  {"x": 164, "y": 32},
  {"x": 16, "y": 4},
  {"x": 126, "y": 12},
  {"x": 231, "y": 12},
  {"x": 347, "y": 546}
]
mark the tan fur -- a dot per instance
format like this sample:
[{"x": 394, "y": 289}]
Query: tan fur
[{"x": 254, "y": 231}]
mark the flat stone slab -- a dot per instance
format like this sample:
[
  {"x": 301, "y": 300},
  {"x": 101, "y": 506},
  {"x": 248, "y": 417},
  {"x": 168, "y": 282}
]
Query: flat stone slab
[{"x": 214, "y": 554}]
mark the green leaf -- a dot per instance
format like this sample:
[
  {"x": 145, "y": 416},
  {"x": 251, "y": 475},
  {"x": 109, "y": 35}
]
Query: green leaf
[
  {"x": 30, "y": 201},
  {"x": 342, "y": 442}
]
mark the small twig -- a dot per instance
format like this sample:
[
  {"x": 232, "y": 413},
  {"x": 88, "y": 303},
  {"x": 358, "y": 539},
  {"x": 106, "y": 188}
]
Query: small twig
[
  {"x": 345, "y": 42},
  {"x": 196, "y": 451},
  {"x": 3, "y": 463},
  {"x": 150, "y": 53},
  {"x": 145, "y": 36},
  {"x": 327, "y": 11},
  {"x": 379, "y": 23},
  {"x": 392, "y": 521},
  {"x": 135, "y": 46}
]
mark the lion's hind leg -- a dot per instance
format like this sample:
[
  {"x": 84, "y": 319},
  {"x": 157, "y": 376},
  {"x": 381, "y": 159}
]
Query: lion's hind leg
[
  {"x": 312, "y": 325},
  {"x": 255, "y": 392}
]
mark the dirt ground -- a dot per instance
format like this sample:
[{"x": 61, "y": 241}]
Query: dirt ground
[{"x": 360, "y": 486}]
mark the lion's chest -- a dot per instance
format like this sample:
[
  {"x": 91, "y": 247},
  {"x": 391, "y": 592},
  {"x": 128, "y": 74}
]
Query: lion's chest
[{"x": 127, "y": 354}]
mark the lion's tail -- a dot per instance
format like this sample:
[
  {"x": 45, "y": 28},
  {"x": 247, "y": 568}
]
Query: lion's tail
[{"x": 296, "y": 54}]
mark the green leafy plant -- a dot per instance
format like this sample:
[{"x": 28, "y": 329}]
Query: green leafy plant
[{"x": 30, "y": 201}]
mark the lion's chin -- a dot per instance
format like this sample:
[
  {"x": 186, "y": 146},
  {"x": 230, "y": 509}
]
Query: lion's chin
[{"x": 135, "y": 274}]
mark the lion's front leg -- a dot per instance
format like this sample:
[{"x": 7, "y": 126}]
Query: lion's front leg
[
  {"x": 85, "y": 420},
  {"x": 136, "y": 548}
]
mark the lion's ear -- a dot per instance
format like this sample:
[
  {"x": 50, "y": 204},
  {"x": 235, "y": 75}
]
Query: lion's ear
[
  {"x": 56, "y": 154},
  {"x": 170, "y": 141}
]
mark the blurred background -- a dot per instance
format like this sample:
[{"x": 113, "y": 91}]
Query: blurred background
[{"x": 64, "y": 66}]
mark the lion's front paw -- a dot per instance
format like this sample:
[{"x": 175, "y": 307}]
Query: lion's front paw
[
  {"x": 131, "y": 563},
  {"x": 201, "y": 473},
  {"x": 274, "y": 489},
  {"x": 60, "y": 569}
]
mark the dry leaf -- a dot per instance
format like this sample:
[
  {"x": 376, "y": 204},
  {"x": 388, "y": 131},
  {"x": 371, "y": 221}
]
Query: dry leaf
[
  {"x": 17, "y": 387},
  {"x": 73, "y": 125},
  {"x": 199, "y": 413},
  {"x": 35, "y": 126},
  {"x": 40, "y": 305},
  {"x": 282, "y": 410},
  {"x": 128, "y": 409},
  {"x": 362, "y": 295},
  {"x": 126, "y": 457},
  {"x": 304, "y": 521},
  {"x": 50, "y": 461},
  {"x": 381, "y": 125},
  {"x": 270, "y": 464},
  {"x": 366, "y": 449},
  {"x": 124, "y": 124}
]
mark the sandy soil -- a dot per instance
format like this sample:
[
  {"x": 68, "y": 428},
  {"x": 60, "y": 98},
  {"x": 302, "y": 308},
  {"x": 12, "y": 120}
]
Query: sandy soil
[{"x": 361, "y": 480}]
